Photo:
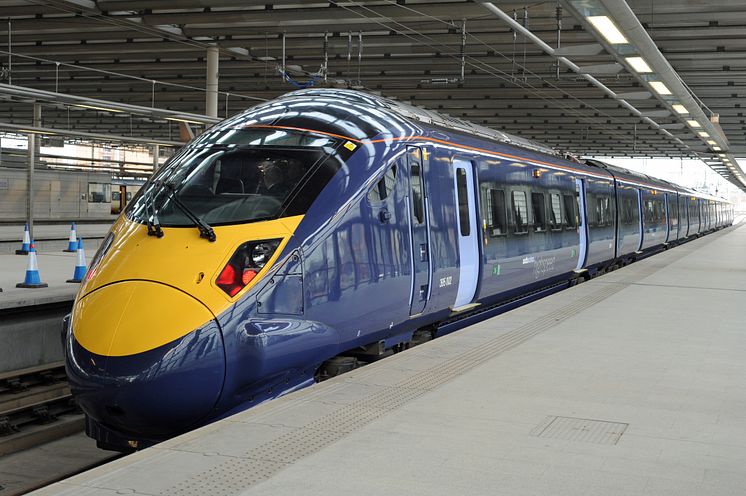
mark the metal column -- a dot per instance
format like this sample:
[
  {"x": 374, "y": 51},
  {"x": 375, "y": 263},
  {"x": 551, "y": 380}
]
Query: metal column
[
  {"x": 32, "y": 151},
  {"x": 156, "y": 151},
  {"x": 211, "y": 97}
]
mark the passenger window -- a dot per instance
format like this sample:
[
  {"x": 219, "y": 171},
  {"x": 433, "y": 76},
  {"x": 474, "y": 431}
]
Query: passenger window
[
  {"x": 463, "y": 202},
  {"x": 604, "y": 211},
  {"x": 418, "y": 207},
  {"x": 540, "y": 215},
  {"x": 497, "y": 224},
  {"x": 555, "y": 212},
  {"x": 571, "y": 216},
  {"x": 384, "y": 187},
  {"x": 520, "y": 212}
]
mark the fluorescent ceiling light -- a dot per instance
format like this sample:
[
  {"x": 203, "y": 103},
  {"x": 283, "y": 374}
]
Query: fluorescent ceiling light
[
  {"x": 92, "y": 107},
  {"x": 660, "y": 88},
  {"x": 704, "y": 134},
  {"x": 680, "y": 109},
  {"x": 723, "y": 155},
  {"x": 608, "y": 29},
  {"x": 716, "y": 148},
  {"x": 639, "y": 64},
  {"x": 33, "y": 131},
  {"x": 711, "y": 142},
  {"x": 176, "y": 119},
  {"x": 693, "y": 123}
]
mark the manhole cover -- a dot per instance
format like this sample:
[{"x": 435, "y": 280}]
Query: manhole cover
[{"x": 581, "y": 430}]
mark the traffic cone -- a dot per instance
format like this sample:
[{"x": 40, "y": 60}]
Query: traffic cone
[
  {"x": 72, "y": 244},
  {"x": 33, "y": 280},
  {"x": 80, "y": 266},
  {"x": 26, "y": 242}
]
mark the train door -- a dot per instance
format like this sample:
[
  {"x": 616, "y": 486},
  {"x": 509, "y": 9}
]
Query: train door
[
  {"x": 639, "y": 217},
  {"x": 583, "y": 226},
  {"x": 468, "y": 236},
  {"x": 419, "y": 238}
]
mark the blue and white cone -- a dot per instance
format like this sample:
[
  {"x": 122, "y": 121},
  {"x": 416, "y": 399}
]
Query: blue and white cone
[
  {"x": 72, "y": 244},
  {"x": 26, "y": 242},
  {"x": 33, "y": 279},
  {"x": 80, "y": 266}
]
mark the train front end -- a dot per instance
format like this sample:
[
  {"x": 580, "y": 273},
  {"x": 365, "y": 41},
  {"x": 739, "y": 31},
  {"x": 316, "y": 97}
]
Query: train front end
[{"x": 148, "y": 351}]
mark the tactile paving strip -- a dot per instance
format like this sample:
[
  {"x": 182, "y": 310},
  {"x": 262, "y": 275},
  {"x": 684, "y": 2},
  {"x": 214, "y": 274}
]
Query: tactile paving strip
[
  {"x": 262, "y": 462},
  {"x": 581, "y": 430}
]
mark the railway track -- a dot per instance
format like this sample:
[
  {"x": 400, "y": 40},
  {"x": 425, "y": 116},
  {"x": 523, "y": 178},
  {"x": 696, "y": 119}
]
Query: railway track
[{"x": 36, "y": 407}]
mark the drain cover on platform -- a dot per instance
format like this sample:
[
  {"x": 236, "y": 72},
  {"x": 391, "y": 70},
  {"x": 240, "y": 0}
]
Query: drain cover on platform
[{"x": 582, "y": 430}]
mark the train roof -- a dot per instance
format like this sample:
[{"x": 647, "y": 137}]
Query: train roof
[{"x": 428, "y": 116}]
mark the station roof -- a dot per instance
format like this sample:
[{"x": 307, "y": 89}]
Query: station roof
[{"x": 409, "y": 50}]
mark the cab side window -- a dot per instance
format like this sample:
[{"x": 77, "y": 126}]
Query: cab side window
[{"x": 383, "y": 188}]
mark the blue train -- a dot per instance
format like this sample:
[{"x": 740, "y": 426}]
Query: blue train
[{"x": 331, "y": 227}]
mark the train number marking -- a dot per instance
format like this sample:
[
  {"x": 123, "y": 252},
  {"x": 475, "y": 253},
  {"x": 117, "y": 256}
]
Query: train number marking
[{"x": 446, "y": 281}]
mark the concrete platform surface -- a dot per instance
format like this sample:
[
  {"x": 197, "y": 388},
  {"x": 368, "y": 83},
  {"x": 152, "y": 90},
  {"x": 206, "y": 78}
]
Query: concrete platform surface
[
  {"x": 630, "y": 384},
  {"x": 53, "y": 231},
  {"x": 55, "y": 268}
]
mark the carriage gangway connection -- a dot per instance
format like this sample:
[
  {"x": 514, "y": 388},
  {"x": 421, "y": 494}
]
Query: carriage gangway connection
[{"x": 631, "y": 383}]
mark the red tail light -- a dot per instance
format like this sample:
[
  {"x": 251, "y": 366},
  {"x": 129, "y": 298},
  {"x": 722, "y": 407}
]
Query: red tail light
[{"x": 245, "y": 264}]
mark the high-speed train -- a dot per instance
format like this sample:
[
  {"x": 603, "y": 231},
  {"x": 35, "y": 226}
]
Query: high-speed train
[{"x": 328, "y": 226}]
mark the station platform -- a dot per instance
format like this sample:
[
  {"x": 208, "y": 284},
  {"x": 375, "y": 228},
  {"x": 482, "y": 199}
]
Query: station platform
[
  {"x": 629, "y": 384},
  {"x": 31, "y": 319},
  {"x": 49, "y": 237}
]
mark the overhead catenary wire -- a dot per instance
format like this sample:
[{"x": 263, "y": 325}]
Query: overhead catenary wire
[{"x": 495, "y": 72}]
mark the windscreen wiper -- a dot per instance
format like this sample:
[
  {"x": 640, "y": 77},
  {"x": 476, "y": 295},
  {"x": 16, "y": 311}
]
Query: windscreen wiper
[
  {"x": 205, "y": 230},
  {"x": 154, "y": 225}
]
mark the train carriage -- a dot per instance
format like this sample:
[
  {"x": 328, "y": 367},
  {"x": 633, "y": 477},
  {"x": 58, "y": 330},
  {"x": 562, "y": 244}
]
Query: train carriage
[{"x": 323, "y": 229}]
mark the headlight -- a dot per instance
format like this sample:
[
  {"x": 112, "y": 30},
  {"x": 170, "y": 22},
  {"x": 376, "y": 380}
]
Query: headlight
[{"x": 245, "y": 264}]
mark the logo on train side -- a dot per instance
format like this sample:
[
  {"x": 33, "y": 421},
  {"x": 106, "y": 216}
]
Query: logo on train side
[
  {"x": 543, "y": 266},
  {"x": 446, "y": 281},
  {"x": 528, "y": 260}
]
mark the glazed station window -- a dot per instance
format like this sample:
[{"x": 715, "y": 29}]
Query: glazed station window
[
  {"x": 540, "y": 212},
  {"x": 383, "y": 188},
  {"x": 520, "y": 212},
  {"x": 99, "y": 193},
  {"x": 555, "y": 212}
]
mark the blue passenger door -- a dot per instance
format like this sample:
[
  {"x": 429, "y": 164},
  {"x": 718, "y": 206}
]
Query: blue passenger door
[
  {"x": 583, "y": 226},
  {"x": 418, "y": 224},
  {"x": 466, "y": 229}
]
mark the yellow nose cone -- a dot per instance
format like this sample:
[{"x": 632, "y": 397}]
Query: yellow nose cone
[{"x": 132, "y": 317}]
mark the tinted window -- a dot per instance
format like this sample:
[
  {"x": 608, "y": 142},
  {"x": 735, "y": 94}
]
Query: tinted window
[
  {"x": 418, "y": 200},
  {"x": 555, "y": 212},
  {"x": 604, "y": 211},
  {"x": 236, "y": 184},
  {"x": 99, "y": 193},
  {"x": 571, "y": 216},
  {"x": 495, "y": 215},
  {"x": 384, "y": 187},
  {"x": 520, "y": 211},
  {"x": 540, "y": 212},
  {"x": 463, "y": 202}
]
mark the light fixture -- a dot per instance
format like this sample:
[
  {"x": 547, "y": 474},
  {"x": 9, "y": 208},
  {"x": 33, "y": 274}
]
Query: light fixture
[
  {"x": 704, "y": 134},
  {"x": 711, "y": 142},
  {"x": 722, "y": 155},
  {"x": 33, "y": 131},
  {"x": 92, "y": 107},
  {"x": 608, "y": 29},
  {"x": 639, "y": 64},
  {"x": 693, "y": 123},
  {"x": 716, "y": 148},
  {"x": 660, "y": 88},
  {"x": 680, "y": 109},
  {"x": 176, "y": 119}
]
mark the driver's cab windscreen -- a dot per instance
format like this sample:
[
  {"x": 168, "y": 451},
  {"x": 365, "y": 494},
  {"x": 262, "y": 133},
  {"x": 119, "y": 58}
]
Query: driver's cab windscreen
[{"x": 247, "y": 180}]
